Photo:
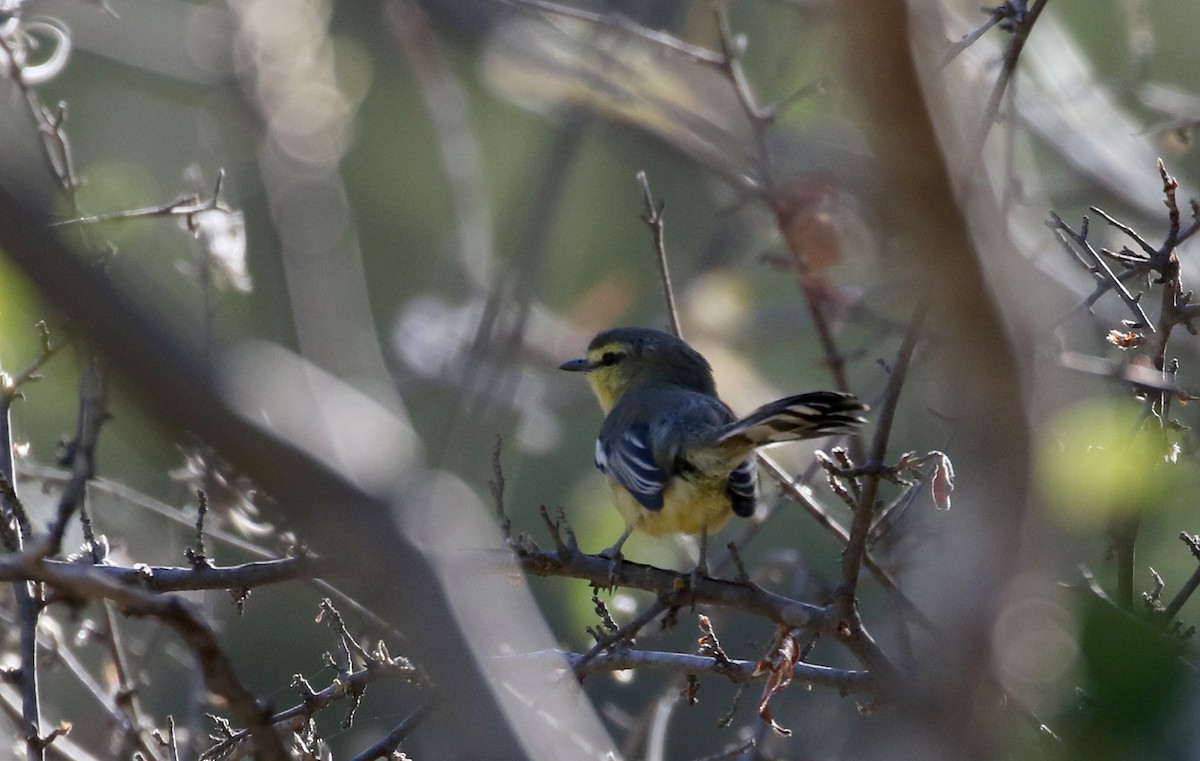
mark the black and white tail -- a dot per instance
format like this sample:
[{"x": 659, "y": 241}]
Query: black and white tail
[{"x": 805, "y": 416}]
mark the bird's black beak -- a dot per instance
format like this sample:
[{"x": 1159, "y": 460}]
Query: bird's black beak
[{"x": 577, "y": 366}]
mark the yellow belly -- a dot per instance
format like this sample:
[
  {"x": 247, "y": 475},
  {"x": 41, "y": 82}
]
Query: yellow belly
[{"x": 688, "y": 507}]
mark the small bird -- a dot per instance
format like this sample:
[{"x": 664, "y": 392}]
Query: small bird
[{"x": 677, "y": 458}]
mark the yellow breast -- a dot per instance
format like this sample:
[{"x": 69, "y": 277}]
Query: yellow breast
[{"x": 688, "y": 507}]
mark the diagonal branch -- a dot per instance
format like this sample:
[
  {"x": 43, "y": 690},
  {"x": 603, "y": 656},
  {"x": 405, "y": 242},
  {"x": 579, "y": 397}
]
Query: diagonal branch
[
  {"x": 1101, "y": 269},
  {"x": 1020, "y": 35},
  {"x": 856, "y": 546}
]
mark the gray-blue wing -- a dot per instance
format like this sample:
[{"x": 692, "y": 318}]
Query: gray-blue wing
[{"x": 630, "y": 462}]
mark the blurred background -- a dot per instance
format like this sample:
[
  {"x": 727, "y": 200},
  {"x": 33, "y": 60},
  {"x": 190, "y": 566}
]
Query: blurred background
[{"x": 440, "y": 206}]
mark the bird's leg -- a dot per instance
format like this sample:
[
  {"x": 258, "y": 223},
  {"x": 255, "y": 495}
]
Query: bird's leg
[
  {"x": 613, "y": 553},
  {"x": 701, "y": 568}
]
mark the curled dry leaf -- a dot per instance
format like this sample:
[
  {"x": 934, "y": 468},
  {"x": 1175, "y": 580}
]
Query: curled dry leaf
[
  {"x": 1125, "y": 339},
  {"x": 943, "y": 480},
  {"x": 691, "y": 691},
  {"x": 777, "y": 665}
]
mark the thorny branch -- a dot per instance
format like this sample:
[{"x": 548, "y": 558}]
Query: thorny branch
[
  {"x": 56, "y": 149},
  {"x": 15, "y": 531},
  {"x": 1160, "y": 266},
  {"x": 126, "y": 696},
  {"x": 1095, "y": 264},
  {"x": 856, "y": 546},
  {"x": 79, "y": 454},
  {"x": 386, "y": 746},
  {"x": 345, "y": 686},
  {"x": 619, "y": 637},
  {"x": 219, "y": 674},
  {"x": 995, "y": 16},
  {"x": 736, "y": 671},
  {"x": 802, "y": 495},
  {"x": 1189, "y": 588},
  {"x": 186, "y": 207},
  {"x": 1020, "y": 22},
  {"x": 674, "y": 590},
  {"x": 180, "y": 579},
  {"x": 850, "y": 629}
]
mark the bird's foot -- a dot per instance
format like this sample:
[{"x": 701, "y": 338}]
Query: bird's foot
[
  {"x": 615, "y": 559},
  {"x": 698, "y": 573}
]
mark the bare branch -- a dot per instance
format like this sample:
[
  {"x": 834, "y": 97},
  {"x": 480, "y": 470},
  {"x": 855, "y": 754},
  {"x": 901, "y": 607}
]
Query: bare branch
[
  {"x": 1020, "y": 34},
  {"x": 1102, "y": 270},
  {"x": 80, "y": 453},
  {"x": 617, "y": 21},
  {"x": 856, "y": 546},
  {"x": 736, "y": 671},
  {"x": 670, "y": 586},
  {"x": 178, "y": 579},
  {"x": 1189, "y": 588},
  {"x": 654, "y": 220},
  {"x": 803, "y": 497},
  {"x": 387, "y": 744},
  {"x": 998, "y": 14},
  {"x": 344, "y": 686},
  {"x": 219, "y": 674}
]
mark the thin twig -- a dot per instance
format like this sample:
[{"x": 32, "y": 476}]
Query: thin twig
[
  {"x": 1100, "y": 268},
  {"x": 80, "y": 452},
  {"x": 803, "y": 497},
  {"x": 354, "y": 651},
  {"x": 197, "y": 555},
  {"x": 727, "y": 61},
  {"x": 387, "y": 744},
  {"x": 185, "y": 207},
  {"x": 760, "y": 118},
  {"x": 997, "y": 14},
  {"x": 11, "y": 388},
  {"x": 856, "y": 546},
  {"x": 168, "y": 577},
  {"x": 59, "y": 653},
  {"x": 62, "y": 748},
  {"x": 1008, "y": 68},
  {"x": 126, "y": 691},
  {"x": 653, "y": 218},
  {"x": 734, "y": 70},
  {"x": 737, "y": 671},
  {"x": 1151, "y": 252},
  {"x": 617, "y": 21},
  {"x": 1189, "y": 588},
  {"x": 28, "y": 611},
  {"x": 27, "y": 594},
  {"x": 621, "y": 636},
  {"x": 292, "y": 719}
]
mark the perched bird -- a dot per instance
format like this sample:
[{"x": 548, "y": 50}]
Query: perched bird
[{"x": 677, "y": 458}]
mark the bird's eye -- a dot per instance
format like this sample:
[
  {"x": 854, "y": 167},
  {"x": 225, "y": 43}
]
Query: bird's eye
[{"x": 610, "y": 358}]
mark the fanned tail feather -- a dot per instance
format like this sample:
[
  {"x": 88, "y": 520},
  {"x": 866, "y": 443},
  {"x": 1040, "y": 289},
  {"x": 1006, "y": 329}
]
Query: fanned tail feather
[{"x": 805, "y": 416}]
